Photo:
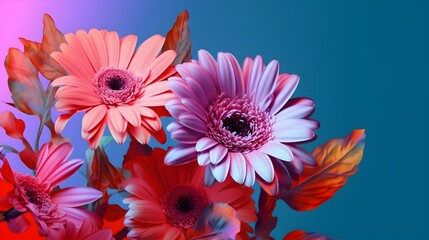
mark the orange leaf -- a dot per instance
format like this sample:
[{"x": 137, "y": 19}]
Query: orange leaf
[
  {"x": 15, "y": 128},
  {"x": 24, "y": 84},
  {"x": 337, "y": 160},
  {"x": 301, "y": 235},
  {"x": 178, "y": 39},
  {"x": 39, "y": 53}
]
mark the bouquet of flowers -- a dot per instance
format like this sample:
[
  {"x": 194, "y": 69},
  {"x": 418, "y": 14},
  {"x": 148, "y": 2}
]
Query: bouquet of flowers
[{"x": 234, "y": 125}]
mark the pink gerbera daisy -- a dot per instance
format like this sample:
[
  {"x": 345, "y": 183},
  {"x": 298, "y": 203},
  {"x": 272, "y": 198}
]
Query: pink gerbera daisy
[
  {"x": 167, "y": 201},
  {"x": 113, "y": 85},
  {"x": 239, "y": 121},
  {"x": 40, "y": 195}
]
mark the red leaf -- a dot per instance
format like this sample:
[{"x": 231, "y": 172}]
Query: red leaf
[
  {"x": 12, "y": 126},
  {"x": 301, "y": 235},
  {"x": 103, "y": 174},
  {"x": 135, "y": 150},
  {"x": 178, "y": 39},
  {"x": 15, "y": 128},
  {"x": 24, "y": 84},
  {"x": 337, "y": 160},
  {"x": 39, "y": 53},
  {"x": 266, "y": 221}
]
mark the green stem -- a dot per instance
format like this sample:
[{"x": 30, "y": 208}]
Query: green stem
[{"x": 39, "y": 133}]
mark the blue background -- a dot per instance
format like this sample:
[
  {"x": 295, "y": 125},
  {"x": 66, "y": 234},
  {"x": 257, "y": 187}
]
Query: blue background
[{"x": 364, "y": 62}]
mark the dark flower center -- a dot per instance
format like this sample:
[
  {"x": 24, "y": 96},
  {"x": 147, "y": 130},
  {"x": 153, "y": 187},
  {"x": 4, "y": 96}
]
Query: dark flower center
[
  {"x": 116, "y": 83},
  {"x": 183, "y": 205},
  {"x": 117, "y": 86},
  {"x": 237, "y": 124}
]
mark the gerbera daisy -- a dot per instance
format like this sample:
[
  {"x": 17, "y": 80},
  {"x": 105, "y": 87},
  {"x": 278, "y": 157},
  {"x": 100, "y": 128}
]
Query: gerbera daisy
[
  {"x": 113, "y": 85},
  {"x": 50, "y": 206},
  {"x": 166, "y": 201},
  {"x": 239, "y": 121}
]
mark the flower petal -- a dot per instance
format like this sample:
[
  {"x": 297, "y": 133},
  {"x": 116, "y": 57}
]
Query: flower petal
[
  {"x": 277, "y": 150},
  {"x": 262, "y": 165},
  {"x": 75, "y": 196},
  {"x": 181, "y": 154}
]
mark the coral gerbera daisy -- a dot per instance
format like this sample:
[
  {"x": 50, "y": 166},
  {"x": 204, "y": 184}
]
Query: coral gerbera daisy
[
  {"x": 166, "y": 201},
  {"x": 50, "y": 206},
  {"x": 239, "y": 121},
  {"x": 113, "y": 85}
]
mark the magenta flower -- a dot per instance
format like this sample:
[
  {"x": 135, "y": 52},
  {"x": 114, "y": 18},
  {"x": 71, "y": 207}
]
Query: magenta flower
[
  {"x": 50, "y": 206},
  {"x": 240, "y": 121}
]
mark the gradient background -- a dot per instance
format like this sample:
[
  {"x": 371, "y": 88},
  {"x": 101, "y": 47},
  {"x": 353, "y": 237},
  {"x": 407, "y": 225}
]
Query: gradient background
[{"x": 364, "y": 62}]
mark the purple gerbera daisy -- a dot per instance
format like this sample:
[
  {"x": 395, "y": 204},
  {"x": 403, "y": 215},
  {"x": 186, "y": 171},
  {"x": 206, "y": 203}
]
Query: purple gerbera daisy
[{"x": 240, "y": 121}]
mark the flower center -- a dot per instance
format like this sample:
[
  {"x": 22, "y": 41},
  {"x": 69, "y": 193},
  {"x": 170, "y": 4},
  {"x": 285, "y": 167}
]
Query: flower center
[
  {"x": 36, "y": 193},
  {"x": 117, "y": 86},
  {"x": 183, "y": 205},
  {"x": 116, "y": 83},
  {"x": 238, "y": 124}
]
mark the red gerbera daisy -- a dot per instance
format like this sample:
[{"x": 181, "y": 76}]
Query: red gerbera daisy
[{"x": 167, "y": 201}]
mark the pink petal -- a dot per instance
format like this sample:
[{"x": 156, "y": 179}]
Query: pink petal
[
  {"x": 156, "y": 88},
  {"x": 197, "y": 72},
  {"x": 146, "y": 53},
  {"x": 74, "y": 59},
  {"x": 96, "y": 134},
  {"x": 285, "y": 88},
  {"x": 72, "y": 81},
  {"x": 207, "y": 62},
  {"x": 250, "y": 175},
  {"x": 62, "y": 120},
  {"x": 239, "y": 80},
  {"x": 93, "y": 117},
  {"x": 198, "y": 92},
  {"x": 99, "y": 45},
  {"x": 247, "y": 68},
  {"x": 90, "y": 49},
  {"x": 266, "y": 84},
  {"x": 179, "y": 87},
  {"x": 277, "y": 150},
  {"x": 220, "y": 171},
  {"x": 52, "y": 159},
  {"x": 217, "y": 153},
  {"x": 293, "y": 134},
  {"x": 193, "y": 122},
  {"x": 112, "y": 46},
  {"x": 128, "y": 44},
  {"x": 18, "y": 225},
  {"x": 295, "y": 123},
  {"x": 205, "y": 143},
  {"x": 78, "y": 215},
  {"x": 262, "y": 165},
  {"x": 295, "y": 111},
  {"x": 131, "y": 115},
  {"x": 238, "y": 167},
  {"x": 175, "y": 107},
  {"x": 75, "y": 196},
  {"x": 203, "y": 158},
  {"x": 172, "y": 233},
  {"x": 155, "y": 101},
  {"x": 140, "y": 133},
  {"x": 62, "y": 172},
  {"x": 160, "y": 64},
  {"x": 195, "y": 107},
  {"x": 226, "y": 75},
  {"x": 186, "y": 135},
  {"x": 117, "y": 125},
  {"x": 255, "y": 75},
  {"x": 181, "y": 154}
]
